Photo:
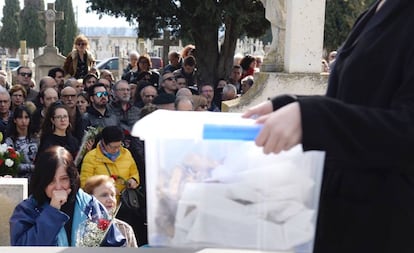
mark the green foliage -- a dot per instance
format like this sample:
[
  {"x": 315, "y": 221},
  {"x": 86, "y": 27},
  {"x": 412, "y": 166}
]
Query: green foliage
[
  {"x": 31, "y": 28},
  {"x": 198, "y": 20},
  {"x": 66, "y": 29},
  {"x": 9, "y": 34},
  {"x": 339, "y": 18}
]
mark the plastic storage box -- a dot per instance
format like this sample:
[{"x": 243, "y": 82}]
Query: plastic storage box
[{"x": 209, "y": 185}]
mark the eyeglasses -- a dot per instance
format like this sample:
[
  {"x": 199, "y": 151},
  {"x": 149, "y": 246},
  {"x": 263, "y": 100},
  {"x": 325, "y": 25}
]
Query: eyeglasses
[
  {"x": 81, "y": 44},
  {"x": 25, "y": 74},
  {"x": 123, "y": 89},
  {"x": 100, "y": 94},
  {"x": 169, "y": 79},
  {"x": 116, "y": 147},
  {"x": 61, "y": 117}
]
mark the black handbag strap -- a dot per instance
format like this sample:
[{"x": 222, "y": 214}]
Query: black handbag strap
[{"x": 107, "y": 168}]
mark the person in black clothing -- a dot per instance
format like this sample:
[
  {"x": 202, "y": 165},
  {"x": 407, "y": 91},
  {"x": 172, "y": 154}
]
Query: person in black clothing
[
  {"x": 56, "y": 130},
  {"x": 365, "y": 123}
]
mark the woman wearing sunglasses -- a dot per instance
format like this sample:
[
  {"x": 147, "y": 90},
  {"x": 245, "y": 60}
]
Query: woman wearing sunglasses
[{"x": 80, "y": 60}]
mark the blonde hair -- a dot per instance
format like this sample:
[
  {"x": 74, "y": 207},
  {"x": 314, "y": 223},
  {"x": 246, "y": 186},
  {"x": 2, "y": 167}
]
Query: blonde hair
[
  {"x": 80, "y": 38},
  {"x": 198, "y": 101}
]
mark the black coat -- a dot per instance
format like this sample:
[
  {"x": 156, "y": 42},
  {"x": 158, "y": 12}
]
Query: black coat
[{"x": 366, "y": 125}]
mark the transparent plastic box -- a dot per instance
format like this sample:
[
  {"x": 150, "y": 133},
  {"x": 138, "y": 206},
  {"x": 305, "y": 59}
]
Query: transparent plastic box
[{"x": 209, "y": 185}]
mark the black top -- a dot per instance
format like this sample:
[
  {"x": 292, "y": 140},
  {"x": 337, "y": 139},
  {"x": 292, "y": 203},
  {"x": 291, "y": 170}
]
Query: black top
[
  {"x": 69, "y": 142},
  {"x": 82, "y": 67}
]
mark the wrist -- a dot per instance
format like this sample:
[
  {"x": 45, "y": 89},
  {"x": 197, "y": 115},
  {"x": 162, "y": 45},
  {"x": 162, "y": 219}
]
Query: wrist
[{"x": 282, "y": 100}]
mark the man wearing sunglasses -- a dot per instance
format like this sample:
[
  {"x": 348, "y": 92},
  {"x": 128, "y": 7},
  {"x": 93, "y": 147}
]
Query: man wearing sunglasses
[
  {"x": 24, "y": 76},
  {"x": 98, "y": 114},
  {"x": 168, "y": 85}
]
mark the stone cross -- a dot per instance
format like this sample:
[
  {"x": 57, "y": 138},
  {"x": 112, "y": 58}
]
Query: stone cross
[
  {"x": 51, "y": 16},
  {"x": 166, "y": 42}
]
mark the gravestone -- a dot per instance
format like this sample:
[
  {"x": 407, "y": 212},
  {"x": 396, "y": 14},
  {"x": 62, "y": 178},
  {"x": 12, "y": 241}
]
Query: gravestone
[
  {"x": 302, "y": 57},
  {"x": 12, "y": 192},
  {"x": 51, "y": 57},
  {"x": 166, "y": 42}
]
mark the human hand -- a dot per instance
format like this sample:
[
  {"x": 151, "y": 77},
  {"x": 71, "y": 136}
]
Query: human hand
[
  {"x": 282, "y": 129},
  {"x": 89, "y": 144},
  {"x": 59, "y": 198},
  {"x": 132, "y": 183},
  {"x": 259, "y": 110}
]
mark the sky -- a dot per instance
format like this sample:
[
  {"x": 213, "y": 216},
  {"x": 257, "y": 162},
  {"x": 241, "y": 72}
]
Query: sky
[{"x": 84, "y": 19}]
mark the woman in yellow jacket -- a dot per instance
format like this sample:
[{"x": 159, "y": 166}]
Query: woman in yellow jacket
[{"x": 110, "y": 158}]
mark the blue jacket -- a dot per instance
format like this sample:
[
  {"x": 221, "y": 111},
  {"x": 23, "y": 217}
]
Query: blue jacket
[{"x": 31, "y": 225}]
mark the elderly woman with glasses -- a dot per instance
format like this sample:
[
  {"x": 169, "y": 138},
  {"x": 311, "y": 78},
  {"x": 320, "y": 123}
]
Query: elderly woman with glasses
[{"x": 80, "y": 60}]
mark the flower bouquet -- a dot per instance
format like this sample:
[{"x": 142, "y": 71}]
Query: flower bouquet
[
  {"x": 96, "y": 230},
  {"x": 9, "y": 161},
  {"x": 92, "y": 232},
  {"x": 91, "y": 133}
]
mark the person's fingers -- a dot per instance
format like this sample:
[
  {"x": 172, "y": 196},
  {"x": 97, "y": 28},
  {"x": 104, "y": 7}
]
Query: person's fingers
[
  {"x": 261, "y": 138},
  {"x": 262, "y": 119},
  {"x": 259, "y": 110}
]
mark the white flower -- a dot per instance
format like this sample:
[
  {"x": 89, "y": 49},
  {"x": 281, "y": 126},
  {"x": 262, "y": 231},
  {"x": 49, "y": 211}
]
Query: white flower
[
  {"x": 9, "y": 162},
  {"x": 3, "y": 148}
]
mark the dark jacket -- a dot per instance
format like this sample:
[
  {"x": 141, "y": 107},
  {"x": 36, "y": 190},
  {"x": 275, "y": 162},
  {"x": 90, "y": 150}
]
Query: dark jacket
[
  {"x": 94, "y": 118},
  {"x": 126, "y": 118},
  {"x": 366, "y": 125},
  {"x": 71, "y": 64}
]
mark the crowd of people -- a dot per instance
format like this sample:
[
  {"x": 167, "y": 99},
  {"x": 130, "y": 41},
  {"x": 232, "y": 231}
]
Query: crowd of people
[{"x": 48, "y": 124}]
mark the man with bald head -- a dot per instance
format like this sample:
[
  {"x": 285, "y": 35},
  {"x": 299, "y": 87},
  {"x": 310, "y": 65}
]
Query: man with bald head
[
  {"x": 48, "y": 82},
  {"x": 69, "y": 98},
  {"x": 148, "y": 93}
]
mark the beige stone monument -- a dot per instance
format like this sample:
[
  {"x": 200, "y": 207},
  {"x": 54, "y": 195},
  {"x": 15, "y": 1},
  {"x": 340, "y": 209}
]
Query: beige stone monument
[
  {"x": 302, "y": 49},
  {"x": 276, "y": 14},
  {"x": 51, "y": 57},
  {"x": 12, "y": 192}
]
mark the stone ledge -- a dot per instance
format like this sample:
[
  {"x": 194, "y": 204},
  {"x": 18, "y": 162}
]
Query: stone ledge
[{"x": 268, "y": 84}]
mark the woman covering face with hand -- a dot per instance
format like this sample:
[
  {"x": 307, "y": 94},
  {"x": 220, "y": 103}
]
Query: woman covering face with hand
[{"x": 56, "y": 206}]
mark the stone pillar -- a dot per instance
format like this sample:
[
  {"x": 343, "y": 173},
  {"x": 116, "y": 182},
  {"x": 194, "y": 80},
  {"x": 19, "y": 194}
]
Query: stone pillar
[{"x": 304, "y": 35}]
